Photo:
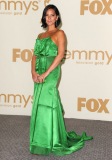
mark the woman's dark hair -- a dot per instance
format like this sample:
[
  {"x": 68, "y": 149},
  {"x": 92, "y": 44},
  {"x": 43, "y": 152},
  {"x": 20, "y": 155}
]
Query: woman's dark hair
[{"x": 43, "y": 19}]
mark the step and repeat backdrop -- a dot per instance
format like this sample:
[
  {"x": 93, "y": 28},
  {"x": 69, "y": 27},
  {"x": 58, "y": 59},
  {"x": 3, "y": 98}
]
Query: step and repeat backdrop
[{"x": 86, "y": 78}]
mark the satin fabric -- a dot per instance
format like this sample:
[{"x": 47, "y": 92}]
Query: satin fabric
[{"x": 47, "y": 127}]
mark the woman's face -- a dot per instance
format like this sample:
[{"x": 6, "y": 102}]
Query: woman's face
[{"x": 51, "y": 17}]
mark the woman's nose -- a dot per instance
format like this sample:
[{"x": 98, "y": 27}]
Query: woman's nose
[{"x": 49, "y": 17}]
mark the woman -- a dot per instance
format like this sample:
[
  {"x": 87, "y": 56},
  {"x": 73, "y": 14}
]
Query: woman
[{"x": 47, "y": 129}]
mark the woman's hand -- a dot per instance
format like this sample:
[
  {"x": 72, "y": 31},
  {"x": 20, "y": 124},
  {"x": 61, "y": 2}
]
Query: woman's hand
[
  {"x": 42, "y": 77},
  {"x": 35, "y": 76}
]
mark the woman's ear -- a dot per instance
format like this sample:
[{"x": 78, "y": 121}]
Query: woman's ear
[{"x": 57, "y": 18}]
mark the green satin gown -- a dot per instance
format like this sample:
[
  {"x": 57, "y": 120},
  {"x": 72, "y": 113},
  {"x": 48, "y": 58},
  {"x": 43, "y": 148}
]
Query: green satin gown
[{"x": 47, "y": 127}]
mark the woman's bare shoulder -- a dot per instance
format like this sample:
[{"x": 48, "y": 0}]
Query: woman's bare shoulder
[
  {"x": 61, "y": 33},
  {"x": 39, "y": 35}
]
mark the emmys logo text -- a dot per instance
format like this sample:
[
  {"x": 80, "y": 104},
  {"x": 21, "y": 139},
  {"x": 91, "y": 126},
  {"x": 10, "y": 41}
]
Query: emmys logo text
[
  {"x": 89, "y": 57},
  {"x": 93, "y": 105},
  {"x": 15, "y": 100},
  {"x": 23, "y": 6},
  {"x": 96, "y": 7}
]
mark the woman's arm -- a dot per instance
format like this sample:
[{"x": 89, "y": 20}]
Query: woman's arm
[
  {"x": 33, "y": 63},
  {"x": 61, "y": 51},
  {"x": 34, "y": 74}
]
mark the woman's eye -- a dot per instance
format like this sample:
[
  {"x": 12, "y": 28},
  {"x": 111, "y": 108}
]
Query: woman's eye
[{"x": 50, "y": 15}]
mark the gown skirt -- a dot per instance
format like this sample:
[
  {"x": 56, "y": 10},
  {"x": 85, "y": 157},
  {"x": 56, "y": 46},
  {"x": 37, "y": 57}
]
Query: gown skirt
[{"x": 48, "y": 132}]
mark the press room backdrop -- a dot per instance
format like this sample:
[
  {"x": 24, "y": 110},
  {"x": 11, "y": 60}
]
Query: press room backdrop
[{"x": 86, "y": 81}]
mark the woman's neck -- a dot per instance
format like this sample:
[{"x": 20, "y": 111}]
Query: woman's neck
[{"x": 51, "y": 29}]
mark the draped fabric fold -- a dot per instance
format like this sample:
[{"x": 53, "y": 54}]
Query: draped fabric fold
[{"x": 48, "y": 133}]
